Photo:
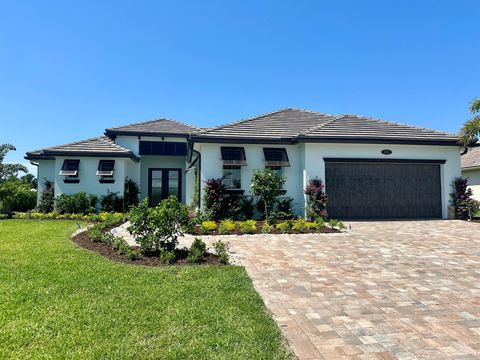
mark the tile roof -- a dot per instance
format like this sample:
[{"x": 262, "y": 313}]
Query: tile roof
[
  {"x": 471, "y": 159},
  {"x": 303, "y": 125},
  {"x": 286, "y": 126},
  {"x": 99, "y": 146},
  {"x": 361, "y": 126},
  {"x": 284, "y": 123},
  {"x": 153, "y": 127}
]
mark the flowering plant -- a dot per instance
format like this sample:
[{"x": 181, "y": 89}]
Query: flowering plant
[
  {"x": 465, "y": 206},
  {"x": 316, "y": 199}
]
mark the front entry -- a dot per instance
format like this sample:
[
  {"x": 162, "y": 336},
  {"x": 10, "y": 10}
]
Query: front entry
[{"x": 163, "y": 183}]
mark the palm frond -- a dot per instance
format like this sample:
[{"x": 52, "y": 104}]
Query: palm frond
[
  {"x": 470, "y": 131},
  {"x": 4, "y": 149},
  {"x": 474, "y": 106}
]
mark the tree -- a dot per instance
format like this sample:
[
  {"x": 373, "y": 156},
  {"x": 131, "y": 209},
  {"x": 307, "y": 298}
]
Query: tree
[
  {"x": 8, "y": 171},
  {"x": 16, "y": 196},
  {"x": 30, "y": 180},
  {"x": 471, "y": 129},
  {"x": 47, "y": 197},
  {"x": 267, "y": 186}
]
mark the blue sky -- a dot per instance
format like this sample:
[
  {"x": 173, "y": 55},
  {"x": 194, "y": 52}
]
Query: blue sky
[{"x": 70, "y": 69}]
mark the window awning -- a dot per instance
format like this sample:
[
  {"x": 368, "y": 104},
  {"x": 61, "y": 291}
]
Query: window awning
[
  {"x": 233, "y": 156},
  {"x": 105, "y": 167},
  {"x": 70, "y": 168},
  {"x": 276, "y": 157}
]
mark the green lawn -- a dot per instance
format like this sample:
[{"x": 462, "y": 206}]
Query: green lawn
[{"x": 60, "y": 301}]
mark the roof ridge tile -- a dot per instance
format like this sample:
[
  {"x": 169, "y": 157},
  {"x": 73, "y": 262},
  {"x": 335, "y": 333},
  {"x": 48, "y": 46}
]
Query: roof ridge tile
[
  {"x": 319, "y": 126},
  {"x": 153, "y": 121}
]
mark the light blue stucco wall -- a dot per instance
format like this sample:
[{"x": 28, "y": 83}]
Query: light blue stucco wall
[
  {"x": 212, "y": 168},
  {"x": 89, "y": 181},
  {"x": 473, "y": 176},
  {"x": 307, "y": 162}
]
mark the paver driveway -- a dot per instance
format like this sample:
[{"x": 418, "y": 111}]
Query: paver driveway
[{"x": 406, "y": 289}]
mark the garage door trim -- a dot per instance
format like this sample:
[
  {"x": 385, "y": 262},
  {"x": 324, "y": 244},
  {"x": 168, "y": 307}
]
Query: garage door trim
[{"x": 377, "y": 160}]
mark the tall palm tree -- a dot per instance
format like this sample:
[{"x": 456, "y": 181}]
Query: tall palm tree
[
  {"x": 471, "y": 129},
  {"x": 9, "y": 170}
]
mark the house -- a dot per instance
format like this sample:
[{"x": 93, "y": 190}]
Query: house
[
  {"x": 372, "y": 169},
  {"x": 471, "y": 170}
]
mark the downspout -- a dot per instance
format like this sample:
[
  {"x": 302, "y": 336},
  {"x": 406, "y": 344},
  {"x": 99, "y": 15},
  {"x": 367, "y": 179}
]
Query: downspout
[{"x": 199, "y": 160}]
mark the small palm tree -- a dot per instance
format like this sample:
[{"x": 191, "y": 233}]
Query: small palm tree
[{"x": 471, "y": 129}]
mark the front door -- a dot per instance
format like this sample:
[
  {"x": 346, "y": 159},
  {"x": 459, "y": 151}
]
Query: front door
[{"x": 164, "y": 182}]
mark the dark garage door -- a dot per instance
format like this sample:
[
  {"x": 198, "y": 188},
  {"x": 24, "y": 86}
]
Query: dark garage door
[{"x": 371, "y": 190}]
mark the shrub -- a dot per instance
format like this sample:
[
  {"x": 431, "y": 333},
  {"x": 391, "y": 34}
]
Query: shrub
[
  {"x": 208, "y": 226},
  {"x": 221, "y": 250},
  {"x": 95, "y": 232},
  {"x": 284, "y": 227},
  {"x": 316, "y": 199},
  {"x": 167, "y": 257},
  {"x": 107, "y": 238},
  {"x": 110, "y": 219},
  {"x": 226, "y": 227},
  {"x": 47, "y": 197},
  {"x": 267, "y": 186},
  {"x": 285, "y": 208},
  {"x": 310, "y": 225},
  {"x": 267, "y": 228},
  {"x": 336, "y": 224},
  {"x": 247, "y": 207},
  {"x": 232, "y": 206},
  {"x": 133, "y": 254},
  {"x": 130, "y": 194},
  {"x": 197, "y": 251},
  {"x": 79, "y": 203},
  {"x": 461, "y": 198},
  {"x": 214, "y": 197},
  {"x": 320, "y": 223},
  {"x": 157, "y": 229},
  {"x": 111, "y": 202},
  {"x": 16, "y": 196},
  {"x": 248, "y": 226},
  {"x": 120, "y": 245},
  {"x": 299, "y": 225}
]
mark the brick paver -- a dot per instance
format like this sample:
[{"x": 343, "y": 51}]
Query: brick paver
[{"x": 386, "y": 290}]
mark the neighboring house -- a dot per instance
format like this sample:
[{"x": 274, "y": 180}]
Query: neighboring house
[
  {"x": 471, "y": 170},
  {"x": 371, "y": 168}
]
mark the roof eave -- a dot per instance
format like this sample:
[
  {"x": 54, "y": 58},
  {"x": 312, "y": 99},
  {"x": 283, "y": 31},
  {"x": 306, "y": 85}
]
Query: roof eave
[
  {"x": 50, "y": 155},
  {"x": 470, "y": 168},
  {"x": 29, "y": 156},
  {"x": 376, "y": 140},
  {"x": 240, "y": 140},
  {"x": 112, "y": 133}
]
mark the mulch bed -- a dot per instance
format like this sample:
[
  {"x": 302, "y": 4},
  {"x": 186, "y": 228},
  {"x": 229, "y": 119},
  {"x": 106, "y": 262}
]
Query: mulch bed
[
  {"x": 323, "y": 230},
  {"x": 108, "y": 252}
]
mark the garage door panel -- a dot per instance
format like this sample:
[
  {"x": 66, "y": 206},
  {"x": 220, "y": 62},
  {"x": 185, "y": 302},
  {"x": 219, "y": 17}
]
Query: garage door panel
[{"x": 383, "y": 190}]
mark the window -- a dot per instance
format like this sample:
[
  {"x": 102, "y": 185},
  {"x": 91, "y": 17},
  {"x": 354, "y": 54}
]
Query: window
[
  {"x": 275, "y": 157},
  {"x": 233, "y": 156},
  {"x": 105, "y": 168},
  {"x": 232, "y": 176},
  {"x": 166, "y": 148},
  {"x": 105, "y": 171},
  {"x": 277, "y": 169},
  {"x": 70, "y": 168}
]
